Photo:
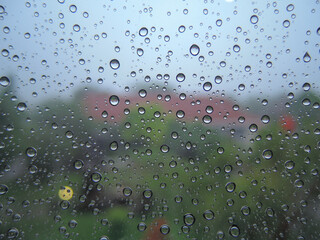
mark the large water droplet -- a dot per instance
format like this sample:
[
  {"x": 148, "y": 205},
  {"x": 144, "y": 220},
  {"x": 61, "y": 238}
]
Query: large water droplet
[
  {"x": 230, "y": 187},
  {"x": 254, "y": 19},
  {"x": 3, "y": 189},
  {"x": 114, "y": 64},
  {"x": 21, "y": 106},
  {"x": 143, "y": 32},
  {"x": 164, "y": 229},
  {"x": 4, "y": 81},
  {"x": 189, "y": 219},
  {"x": 180, "y": 77},
  {"x": 306, "y": 57},
  {"x": 114, "y": 100},
  {"x": 208, "y": 215},
  {"x": 267, "y": 154},
  {"x": 194, "y": 50},
  {"x": 234, "y": 231},
  {"x": 31, "y": 152}
]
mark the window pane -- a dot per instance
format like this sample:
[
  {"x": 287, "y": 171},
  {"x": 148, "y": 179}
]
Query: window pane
[{"x": 159, "y": 119}]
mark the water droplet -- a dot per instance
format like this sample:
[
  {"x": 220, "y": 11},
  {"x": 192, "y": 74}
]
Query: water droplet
[
  {"x": 127, "y": 192},
  {"x": 114, "y": 64},
  {"x": 21, "y": 106},
  {"x": 73, "y": 223},
  {"x": 143, "y": 32},
  {"x": 208, "y": 215},
  {"x": 104, "y": 238},
  {"x": 113, "y": 146},
  {"x": 234, "y": 231},
  {"x": 114, "y": 100},
  {"x": 220, "y": 150},
  {"x": 147, "y": 193},
  {"x": 142, "y": 93},
  {"x": 78, "y": 164},
  {"x": 64, "y": 204},
  {"x": 96, "y": 177},
  {"x": 104, "y": 114},
  {"x": 142, "y": 227},
  {"x": 180, "y": 77},
  {"x": 265, "y": 119},
  {"x": 164, "y": 229},
  {"x": 76, "y": 28},
  {"x": 286, "y": 23},
  {"x": 3, "y": 189},
  {"x": 290, "y": 7},
  {"x": 245, "y": 210},
  {"x": 298, "y": 183},
  {"x": 236, "y": 48},
  {"x": 194, "y": 50},
  {"x": 73, "y": 8},
  {"x": 230, "y": 187},
  {"x": 4, "y": 81},
  {"x": 267, "y": 154},
  {"x": 207, "y": 86},
  {"x": 207, "y": 119},
  {"x": 69, "y": 134},
  {"x": 180, "y": 114},
  {"x": 182, "y": 29},
  {"x": 270, "y": 212},
  {"x": 253, "y": 127},
  {"x": 218, "y": 79},
  {"x": 189, "y": 219},
  {"x": 12, "y": 233},
  {"x": 254, "y": 19},
  {"x": 306, "y": 57},
  {"x": 241, "y": 87},
  {"x": 140, "y": 52},
  {"x": 306, "y": 86},
  {"x": 164, "y": 148},
  {"x": 289, "y": 164},
  {"x": 4, "y": 53},
  {"x": 306, "y": 102},
  {"x": 31, "y": 152}
]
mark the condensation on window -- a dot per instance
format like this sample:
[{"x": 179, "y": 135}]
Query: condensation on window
[{"x": 158, "y": 120}]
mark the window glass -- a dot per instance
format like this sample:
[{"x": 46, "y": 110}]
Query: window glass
[{"x": 159, "y": 119}]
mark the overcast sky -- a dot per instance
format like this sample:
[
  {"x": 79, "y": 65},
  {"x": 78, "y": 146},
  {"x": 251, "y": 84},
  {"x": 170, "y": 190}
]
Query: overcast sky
[{"x": 53, "y": 52}]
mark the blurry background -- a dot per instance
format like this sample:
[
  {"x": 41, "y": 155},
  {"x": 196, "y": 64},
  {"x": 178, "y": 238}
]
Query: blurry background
[{"x": 168, "y": 119}]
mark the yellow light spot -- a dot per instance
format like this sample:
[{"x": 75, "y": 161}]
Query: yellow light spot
[{"x": 65, "y": 193}]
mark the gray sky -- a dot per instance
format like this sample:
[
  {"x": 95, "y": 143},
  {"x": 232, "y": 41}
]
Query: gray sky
[{"x": 52, "y": 53}]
